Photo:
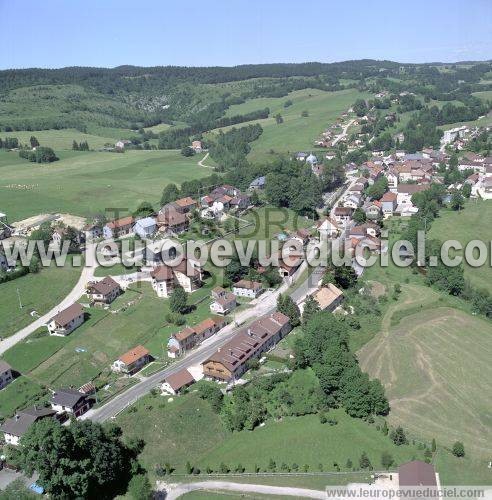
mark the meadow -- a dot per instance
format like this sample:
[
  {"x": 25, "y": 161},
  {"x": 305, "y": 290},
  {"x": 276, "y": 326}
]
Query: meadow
[
  {"x": 170, "y": 429},
  {"x": 472, "y": 223},
  {"x": 38, "y": 292},
  {"x": 296, "y": 133},
  {"x": 434, "y": 361},
  {"x": 84, "y": 183}
]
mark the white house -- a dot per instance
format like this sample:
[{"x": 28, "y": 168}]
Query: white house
[
  {"x": 132, "y": 361},
  {"x": 66, "y": 321},
  {"x": 224, "y": 302},
  {"x": 70, "y": 401},
  {"x": 247, "y": 288},
  {"x": 177, "y": 382},
  {"x": 146, "y": 227},
  {"x": 328, "y": 228}
]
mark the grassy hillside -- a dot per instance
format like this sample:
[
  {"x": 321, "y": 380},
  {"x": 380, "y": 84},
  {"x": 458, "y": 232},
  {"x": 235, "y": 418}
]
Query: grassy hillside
[
  {"x": 87, "y": 182},
  {"x": 474, "y": 222},
  {"x": 434, "y": 363},
  {"x": 297, "y": 132}
]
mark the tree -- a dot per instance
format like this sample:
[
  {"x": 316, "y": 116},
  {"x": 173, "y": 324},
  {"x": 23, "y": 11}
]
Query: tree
[
  {"x": 305, "y": 113},
  {"x": 360, "y": 107},
  {"x": 75, "y": 145},
  {"x": 311, "y": 307},
  {"x": 457, "y": 201},
  {"x": 364, "y": 462},
  {"x": 140, "y": 488},
  {"x": 178, "y": 300},
  {"x": 434, "y": 445},
  {"x": 187, "y": 151},
  {"x": 349, "y": 464},
  {"x": 34, "y": 142},
  {"x": 143, "y": 210},
  {"x": 279, "y": 119},
  {"x": 387, "y": 460},
  {"x": 345, "y": 276},
  {"x": 466, "y": 190},
  {"x": 17, "y": 490},
  {"x": 287, "y": 306},
  {"x": 398, "y": 436},
  {"x": 83, "y": 460},
  {"x": 169, "y": 194},
  {"x": 458, "y": 449},
  {"x": 359, "y": 216}
]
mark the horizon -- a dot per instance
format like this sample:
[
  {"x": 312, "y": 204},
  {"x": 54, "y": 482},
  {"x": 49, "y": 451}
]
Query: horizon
[{"x": 171, "y": 34}]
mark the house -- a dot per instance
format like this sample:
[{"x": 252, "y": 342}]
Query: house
[
  {"x": 189, "y": 337},
  {"x": 342, "y": 215},
  {"x": 301, "y": 156},
  {"x": 224, "y": 302},
  {"x": 6, "y": 375},
  {"x": 66, "y": 321},
  {"x": 197, "y": 146},
  {"x": 247, "y": 288},
  {"x": 406, "y": 191},
  {"x": 392, "y": 177},
  {"x": 14, "y": 428},
  {"x": 132, "y": 361},
  {"x": 172, "y": 221},
  {"x": 145, "y": 227},
  {"x": 240, "y": 202},
  {"x": 160, "y": 251},
  {"x": 327, "y": 228},
  {"x": 118, "y": 228},
  {"x": 302, "y": 235},
  {"x": 372, "y": 209},
  {"x": 363, "y": 230},
  {"x": 187, "y": 273},
  {"x": 258, "y": 183},
  {"x": 162, "y": 281},
  {"x": 230, "y": 361},
  {"x": 70, "y": 401},
  {"x": 353, "y": 201},
  {"x": 388, "y": 203},
  {"x": 185, "y": 205},
  {"x": 328, "y": 297},
  {"x": 104, "y": 291},
  {"x": 177, "y": 382},
  {"x": 417, "y": 473},
  {"x": 92, "y": 232}
]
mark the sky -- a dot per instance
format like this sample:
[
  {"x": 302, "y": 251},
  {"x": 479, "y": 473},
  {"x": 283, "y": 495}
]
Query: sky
[{"x": 109, "y": 33}]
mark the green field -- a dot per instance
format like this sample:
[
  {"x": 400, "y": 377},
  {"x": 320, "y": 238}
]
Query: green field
[
  {"x": 170, "y": 429},
  {"x": 296, "y": 133},
  {"x": 39, "y": 292},
  {"x": 84, "y": 183},
  {"x": 472, "y": 223},
  {"x": 434, "y": 362},
  {"x": 20, "y": 393}
]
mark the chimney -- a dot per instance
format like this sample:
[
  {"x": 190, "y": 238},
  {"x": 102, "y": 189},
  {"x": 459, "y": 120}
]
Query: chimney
[{"x": 249, "y": 332}]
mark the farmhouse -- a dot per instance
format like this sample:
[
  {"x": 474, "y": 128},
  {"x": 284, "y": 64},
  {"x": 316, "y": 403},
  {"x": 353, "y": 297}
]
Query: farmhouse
[
  {"x": 417, "y": 473},
  {"x": 145, "y": 228},
  {"x": 197, "y": 146},
  {"x": 247, "y": 288},
  {"x": 328, "y": 297},
  {"x": 187, "y": 274},
  {"x": 14, "y": 428},
  {"x": 328, "y": 228},
  {"x": 224, "y": 302},
  {"x": 6, "y": 375},
  {"x": 185, "y": 205},
  {"x": 230, "y": 361},
  {"x": 70, "y": 401},
  {"x": 132, "y": 361},
  {"x": 66, "y": 321},
  {"x": 171, "y": 221},
  {"x": 177, "y": 382},
  {"x": 104, "y": 291},
  {"x": 118, "y": 228}
]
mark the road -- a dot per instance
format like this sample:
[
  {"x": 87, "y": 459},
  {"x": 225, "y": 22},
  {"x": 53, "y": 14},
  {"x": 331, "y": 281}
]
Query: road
[
  {"x": 175, "y": 492},
  {"x": 200, "y": 163},
  {"x": 78, "y": 290},
  {"x": 339, "y": 137}
]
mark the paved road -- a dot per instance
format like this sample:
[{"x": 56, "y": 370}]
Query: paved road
[
  {"x": 343, "y": 134},
  {"x": 78, "y": 290},
  {"x": 181, "y": 489}
]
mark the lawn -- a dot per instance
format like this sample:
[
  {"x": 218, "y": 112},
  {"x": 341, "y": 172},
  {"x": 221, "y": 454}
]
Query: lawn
[
  {"x": 434, "y": 361},
  {"x": 136, "y": 317},
  {"x": 84, "y": 183},
  {"x": 297, "y": 132},
  {"x": 170, "y": 429},
  {"x": 474, "y": 222},
  {"x": 21, "y": 393},
  {"x": 38, "y": 292}
]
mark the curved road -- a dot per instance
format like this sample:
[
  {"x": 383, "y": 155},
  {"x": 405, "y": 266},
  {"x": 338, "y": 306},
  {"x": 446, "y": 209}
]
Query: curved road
[{"x": 181, "y": 489}]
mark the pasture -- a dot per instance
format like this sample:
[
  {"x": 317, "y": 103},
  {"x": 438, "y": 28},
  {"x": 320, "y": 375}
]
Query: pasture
[
  {"x": 84, "y": 183},
  {"x": 434, "y": 362},
  {"x": 296, "y": 132},
  {"x": 472, "y": 223}
]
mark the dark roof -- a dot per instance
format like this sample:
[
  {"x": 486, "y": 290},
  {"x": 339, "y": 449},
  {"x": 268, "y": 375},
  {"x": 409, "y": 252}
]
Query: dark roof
[
  {"x": 64, "y": 317},
  {"x": 416, "y": 473},
  {"x": 18, "y": 425},
  {"x": 105, "y": 286},
  {"x": 180, "y": 379},
  {"x": 66, "y": 397}
]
